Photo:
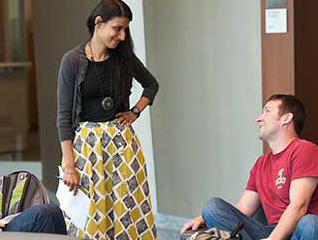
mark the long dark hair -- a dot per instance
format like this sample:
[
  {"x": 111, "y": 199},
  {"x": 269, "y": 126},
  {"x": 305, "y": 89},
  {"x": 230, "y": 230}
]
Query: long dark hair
[{"x": 107, "y": 10}]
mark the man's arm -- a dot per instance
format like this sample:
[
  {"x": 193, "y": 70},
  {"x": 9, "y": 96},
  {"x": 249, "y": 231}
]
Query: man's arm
[
  {"x": 248, "y": 204},
  {"x": 300, "y": 194}
]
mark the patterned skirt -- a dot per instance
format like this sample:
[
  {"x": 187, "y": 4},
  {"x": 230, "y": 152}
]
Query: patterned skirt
[{"x": 112, "y": 171}]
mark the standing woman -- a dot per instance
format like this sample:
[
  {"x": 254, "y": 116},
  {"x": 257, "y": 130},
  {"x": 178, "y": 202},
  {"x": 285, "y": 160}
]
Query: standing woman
[{"x": 101, "y": 151}]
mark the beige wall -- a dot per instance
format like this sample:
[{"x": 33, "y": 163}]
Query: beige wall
[{"x": 206, "y": 56}]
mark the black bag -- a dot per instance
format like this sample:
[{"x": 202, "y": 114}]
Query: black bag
[{"x": 19, "y": 191}]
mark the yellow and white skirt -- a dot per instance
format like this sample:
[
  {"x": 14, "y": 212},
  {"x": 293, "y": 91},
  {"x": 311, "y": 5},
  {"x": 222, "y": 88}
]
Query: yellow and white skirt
[{"x": 112, "y": 171}]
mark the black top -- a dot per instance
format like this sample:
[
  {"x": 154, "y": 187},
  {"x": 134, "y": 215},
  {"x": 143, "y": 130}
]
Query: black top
[
  {"x": 72, "y": 72},
  {"x": 97, "y": 85}
]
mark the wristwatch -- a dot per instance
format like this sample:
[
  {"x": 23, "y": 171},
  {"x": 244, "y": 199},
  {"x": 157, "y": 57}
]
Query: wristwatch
[{"x": 135, "y": 111}]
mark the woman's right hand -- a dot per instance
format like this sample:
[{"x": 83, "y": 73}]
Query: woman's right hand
[
  {"x": 70, "y": 179},
  {"x": 70, "y": 176}
]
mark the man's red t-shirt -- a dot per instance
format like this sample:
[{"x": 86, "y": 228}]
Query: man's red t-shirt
[{"x": 272, "y": 175}]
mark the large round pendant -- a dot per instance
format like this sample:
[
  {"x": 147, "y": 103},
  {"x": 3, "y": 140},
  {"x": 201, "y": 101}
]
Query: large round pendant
[{"x": 108, "y": 103}]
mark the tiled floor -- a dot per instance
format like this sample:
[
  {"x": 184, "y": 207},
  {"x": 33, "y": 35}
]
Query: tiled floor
[
  {"x": 168, "y": 234},
  {"x": 7, "y": 167},
  {"x": 168, "y": 226}
]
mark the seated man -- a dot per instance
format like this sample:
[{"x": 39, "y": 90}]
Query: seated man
[
  {"x": 283, "y": 181},
  {"x": 47, "y": 218}
]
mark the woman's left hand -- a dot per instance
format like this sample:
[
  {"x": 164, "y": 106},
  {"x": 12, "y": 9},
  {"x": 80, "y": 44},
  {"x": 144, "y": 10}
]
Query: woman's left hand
[{"x": 126, "y": 118}]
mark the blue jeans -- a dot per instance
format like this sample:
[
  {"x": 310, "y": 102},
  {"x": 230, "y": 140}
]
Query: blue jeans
[
  {"x": 46, "y": 218},
  {"x": 221, "y": 214}
]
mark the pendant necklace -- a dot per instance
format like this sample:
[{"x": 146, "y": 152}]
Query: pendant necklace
[{"x": 107, "y": 102}]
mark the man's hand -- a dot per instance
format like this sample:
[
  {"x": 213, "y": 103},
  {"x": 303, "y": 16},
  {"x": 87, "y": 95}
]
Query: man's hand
[
  {"x": 194, "y": 224},
  {"x": 2, "y": 225}
]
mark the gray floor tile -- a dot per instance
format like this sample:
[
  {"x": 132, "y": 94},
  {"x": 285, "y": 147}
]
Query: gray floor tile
[{"x": 168, "y": 234}]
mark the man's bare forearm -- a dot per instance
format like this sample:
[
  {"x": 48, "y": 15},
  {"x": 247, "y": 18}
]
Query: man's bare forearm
[{"x": 288, "y": 222}]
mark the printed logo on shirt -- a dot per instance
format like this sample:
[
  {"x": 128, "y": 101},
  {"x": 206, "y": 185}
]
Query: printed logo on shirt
[{"x": 280, "y": 179}]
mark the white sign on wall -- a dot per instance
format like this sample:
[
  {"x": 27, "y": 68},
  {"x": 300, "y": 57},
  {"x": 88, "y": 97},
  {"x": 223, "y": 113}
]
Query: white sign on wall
[{"x": 276, "y": 20}]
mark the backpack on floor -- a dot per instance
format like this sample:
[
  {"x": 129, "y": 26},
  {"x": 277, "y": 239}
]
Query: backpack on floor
[
  {"x": 217, "y": 234},
  {"x": 19, "y": 191},
  {"x": 213, "y": 234}
]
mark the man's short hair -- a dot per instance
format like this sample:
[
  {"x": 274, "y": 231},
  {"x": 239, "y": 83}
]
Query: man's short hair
[{"x": 291, "y": 104}]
